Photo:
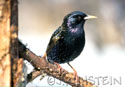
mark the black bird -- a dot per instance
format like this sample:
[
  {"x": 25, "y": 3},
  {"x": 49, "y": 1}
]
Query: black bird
[{"x": 68, "y": 41}]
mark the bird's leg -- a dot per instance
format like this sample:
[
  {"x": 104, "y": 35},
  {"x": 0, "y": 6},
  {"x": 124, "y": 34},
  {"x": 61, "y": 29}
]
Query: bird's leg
[
  {"x": 75, "y": 73},
  {"x": 58, "y": 67}
]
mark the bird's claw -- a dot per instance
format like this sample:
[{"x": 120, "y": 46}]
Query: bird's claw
[
  {"x": 58, "y": 67},
  {"x": 76, "y": 78}
]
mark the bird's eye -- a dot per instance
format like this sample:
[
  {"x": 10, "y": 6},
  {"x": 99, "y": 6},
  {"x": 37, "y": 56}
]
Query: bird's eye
[
  {"x": 76, "y": 19},
  {"x": 79, "y": 18}
]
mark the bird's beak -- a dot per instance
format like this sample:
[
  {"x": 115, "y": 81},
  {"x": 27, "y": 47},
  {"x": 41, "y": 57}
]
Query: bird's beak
[{"x": 89, "y": 17}]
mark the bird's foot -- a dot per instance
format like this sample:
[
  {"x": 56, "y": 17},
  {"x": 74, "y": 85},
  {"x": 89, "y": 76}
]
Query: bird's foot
[
  {"x": 75, "y": 74},
  {"x": 59, "y": 68},
  {"x": 76, "y": 77}
]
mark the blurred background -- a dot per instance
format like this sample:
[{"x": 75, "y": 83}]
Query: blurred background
[{"x": 104, "y": 52}]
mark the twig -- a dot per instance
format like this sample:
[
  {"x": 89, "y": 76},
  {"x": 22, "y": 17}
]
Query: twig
[
  {"x": 35, "y": 74},
  {"x": 50, "y": 69}
]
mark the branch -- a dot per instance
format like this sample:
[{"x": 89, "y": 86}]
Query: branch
[
  {"x": 35, "y": 74},
  {"x": 50, "y": 69}
]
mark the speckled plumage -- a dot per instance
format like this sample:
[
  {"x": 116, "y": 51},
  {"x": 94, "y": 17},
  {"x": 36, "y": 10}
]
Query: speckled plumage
[{"x": 68, "y": 41}]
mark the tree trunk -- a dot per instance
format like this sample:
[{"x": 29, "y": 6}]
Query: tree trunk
[
  {"x": 10, "y": 65},
  {"x": 5, "y": 68}
]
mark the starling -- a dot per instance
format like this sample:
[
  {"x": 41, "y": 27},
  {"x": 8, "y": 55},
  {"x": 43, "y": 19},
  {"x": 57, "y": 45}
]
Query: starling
[{"x": 68, "y": 41}]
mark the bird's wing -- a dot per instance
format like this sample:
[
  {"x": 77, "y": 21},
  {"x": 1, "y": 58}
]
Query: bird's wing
[{"x": 56, "y": 36}]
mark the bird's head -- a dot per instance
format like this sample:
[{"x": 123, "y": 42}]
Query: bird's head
[{"x": 76, "y": 19}]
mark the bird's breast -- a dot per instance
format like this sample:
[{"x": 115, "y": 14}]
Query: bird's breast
[
  {"x": 74, "y": 45},
  {"x": 75, "y": 40}
]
